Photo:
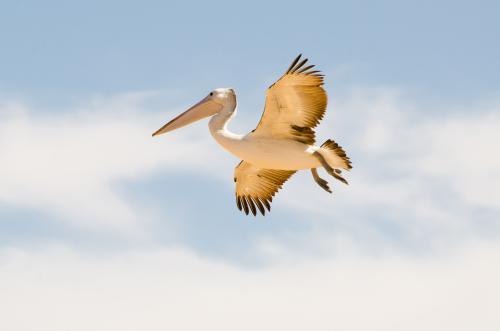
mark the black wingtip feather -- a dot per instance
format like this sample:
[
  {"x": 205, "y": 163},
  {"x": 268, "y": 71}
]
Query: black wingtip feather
[
  {"x": 244, "y": 203},
  {"x": 305, "y": 69},
  {"x": 251, "y": 205},
  {"x": 298, "y": 66},
  {"x": 266, "y": 204},
  {"x": 294, "y": 63},
  {"x": 260, "y": 206}
]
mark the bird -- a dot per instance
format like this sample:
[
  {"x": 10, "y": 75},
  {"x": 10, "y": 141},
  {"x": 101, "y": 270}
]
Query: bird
[{"x": 283, "y": 141}]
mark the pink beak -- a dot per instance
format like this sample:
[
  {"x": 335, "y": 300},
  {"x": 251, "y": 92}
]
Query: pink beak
[{"x": 205, "y": 108}]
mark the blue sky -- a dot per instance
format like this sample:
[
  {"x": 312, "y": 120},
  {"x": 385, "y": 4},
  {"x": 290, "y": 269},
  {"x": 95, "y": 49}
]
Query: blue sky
[
  {"x": 56, "y": 50},
  {"x": 90, "y": 203}
]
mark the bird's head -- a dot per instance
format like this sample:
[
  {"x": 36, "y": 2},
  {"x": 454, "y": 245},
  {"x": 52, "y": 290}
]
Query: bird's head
[{"x": 218, "y": 100}]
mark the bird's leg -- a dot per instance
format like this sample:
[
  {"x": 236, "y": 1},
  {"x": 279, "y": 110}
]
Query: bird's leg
[
  {"x": 320, "y": 181},
  {"x": 330, "y": 170}
]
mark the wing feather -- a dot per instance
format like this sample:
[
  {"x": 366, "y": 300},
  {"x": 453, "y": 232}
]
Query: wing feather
[
  {"x": 295, "y": 104},
  {"x": 255, "y": 187}
]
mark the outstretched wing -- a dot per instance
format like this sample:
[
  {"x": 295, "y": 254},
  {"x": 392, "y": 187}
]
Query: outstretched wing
[
  {"x": 255, "y": 187},
  {"x": 295, "y": 104}
]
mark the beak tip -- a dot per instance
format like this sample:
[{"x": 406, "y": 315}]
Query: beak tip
[{"x": 158, "y": 132}]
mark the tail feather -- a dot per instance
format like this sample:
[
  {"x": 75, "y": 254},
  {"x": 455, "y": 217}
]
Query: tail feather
[{"x": 335, "y": 148}]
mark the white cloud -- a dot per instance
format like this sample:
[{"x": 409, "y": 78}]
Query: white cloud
[
  {"x": 426, "y": 172},
  {"x": 60, "y": 289},
  {"x": 464, "y": 150},
  {"x": 68, "y": 164},
  {"x": 409, "y": 165}
]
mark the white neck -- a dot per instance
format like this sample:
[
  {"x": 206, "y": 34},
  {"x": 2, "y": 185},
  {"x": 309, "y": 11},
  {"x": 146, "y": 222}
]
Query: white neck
[{"x": 218, "y": 128}]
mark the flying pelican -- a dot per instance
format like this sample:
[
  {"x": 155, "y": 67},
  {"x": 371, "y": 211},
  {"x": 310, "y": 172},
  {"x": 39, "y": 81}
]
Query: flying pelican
[{"x": 283, "y": 141}]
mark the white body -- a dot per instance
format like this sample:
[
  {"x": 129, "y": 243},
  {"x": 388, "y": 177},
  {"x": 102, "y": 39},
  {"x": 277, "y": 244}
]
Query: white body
[{"x": 267, "y": 153}]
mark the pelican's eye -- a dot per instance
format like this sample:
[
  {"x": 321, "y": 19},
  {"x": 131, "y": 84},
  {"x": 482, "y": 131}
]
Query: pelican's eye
[{"x": 211, "y": 93}]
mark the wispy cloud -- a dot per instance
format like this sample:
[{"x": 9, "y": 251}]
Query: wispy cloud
[
  {"x": 416, "y": 178},
  {"x": 419, "y": 182},
  {"x": 68, "y": 164}
]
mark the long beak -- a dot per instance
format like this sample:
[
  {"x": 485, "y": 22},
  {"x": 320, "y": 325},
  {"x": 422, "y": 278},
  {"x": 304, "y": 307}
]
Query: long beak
[{"x": 204, "y": 108}]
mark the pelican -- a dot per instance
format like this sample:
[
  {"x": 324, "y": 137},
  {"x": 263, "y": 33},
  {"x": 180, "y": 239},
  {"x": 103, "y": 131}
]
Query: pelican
[{"x": 282, "y": 143}]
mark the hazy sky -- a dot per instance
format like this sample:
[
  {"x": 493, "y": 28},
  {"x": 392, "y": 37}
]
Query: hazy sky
[{"x": 103, "y": 227}]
